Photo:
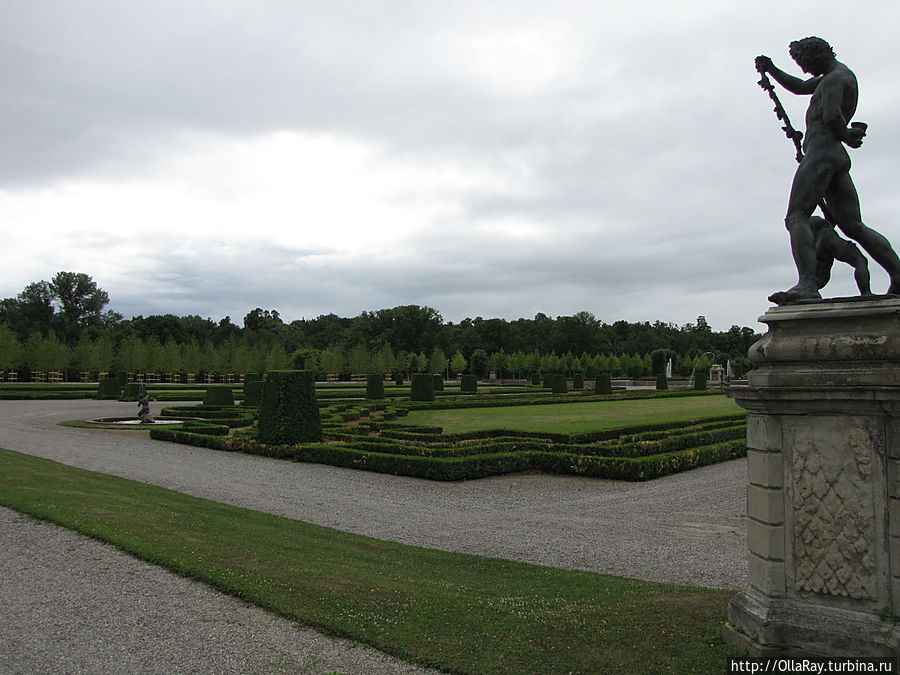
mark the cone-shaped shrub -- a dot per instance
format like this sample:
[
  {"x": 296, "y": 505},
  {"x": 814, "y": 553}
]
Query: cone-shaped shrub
[
  {"x": 109, "y": 388},
  {"x": 253, "y": 391},
  {"x": 289, "y": 413},
  {"x": 218, "y": 396},
  {"x": 468, "y": 384},
  {"x": 398, "y": 378},
  {"x": 374, "y": 386},
  {"x": 603, "y": 385},
  {"x": 422, "y": 387},
  {"x": 578, "y": 381},
  {"x": 560, "y": 384},
  {"x": 661, "y": 381}
]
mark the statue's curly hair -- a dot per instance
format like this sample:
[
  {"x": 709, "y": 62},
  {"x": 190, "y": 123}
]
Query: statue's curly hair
[{"x": 813, "y": 47}]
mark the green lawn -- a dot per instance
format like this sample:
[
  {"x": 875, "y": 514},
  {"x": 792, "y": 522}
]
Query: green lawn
[
  {"x": 575, "y": 418},
  {"x": 463, "y": 613}
]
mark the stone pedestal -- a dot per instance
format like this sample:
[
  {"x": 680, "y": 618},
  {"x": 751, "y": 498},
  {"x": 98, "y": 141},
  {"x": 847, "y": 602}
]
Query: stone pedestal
[{"x": 823, "y": 500}]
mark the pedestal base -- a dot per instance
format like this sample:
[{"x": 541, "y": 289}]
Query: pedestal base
[{"x": 823, "y": 499}]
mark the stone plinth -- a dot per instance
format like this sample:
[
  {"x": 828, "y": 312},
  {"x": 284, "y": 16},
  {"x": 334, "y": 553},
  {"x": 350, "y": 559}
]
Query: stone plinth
[{"x": 823, "y": 500}]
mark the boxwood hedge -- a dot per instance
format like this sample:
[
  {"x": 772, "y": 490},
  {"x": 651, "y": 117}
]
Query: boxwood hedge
[{"x": 289, "y": 412}]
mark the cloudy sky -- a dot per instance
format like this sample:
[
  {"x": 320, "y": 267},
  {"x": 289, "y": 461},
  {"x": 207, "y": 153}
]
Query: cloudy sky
[{"x": 493, "y": 159}]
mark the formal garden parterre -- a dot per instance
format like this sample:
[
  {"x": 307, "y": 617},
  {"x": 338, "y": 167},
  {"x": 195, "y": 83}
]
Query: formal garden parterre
[{"x": 378, "y": 436}]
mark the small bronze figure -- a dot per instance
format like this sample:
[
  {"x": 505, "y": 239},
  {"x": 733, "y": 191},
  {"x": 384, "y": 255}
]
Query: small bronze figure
[{"x": 830, "y": 247}]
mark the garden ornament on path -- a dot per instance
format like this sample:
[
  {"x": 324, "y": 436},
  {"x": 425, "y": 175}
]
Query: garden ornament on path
[
  {"x": 823, "y": 176},
  {"x": 144, "y": 407}
]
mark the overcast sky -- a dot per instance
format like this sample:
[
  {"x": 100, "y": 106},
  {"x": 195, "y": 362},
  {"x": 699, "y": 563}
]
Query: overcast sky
[{"x": 493, "y": 159}]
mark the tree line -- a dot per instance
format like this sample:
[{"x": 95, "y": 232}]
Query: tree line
[{"x": 63, "y": 325}]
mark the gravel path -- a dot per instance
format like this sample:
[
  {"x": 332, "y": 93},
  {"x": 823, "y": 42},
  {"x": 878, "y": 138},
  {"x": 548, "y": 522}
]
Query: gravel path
[
  {"x": 74, "y": 605},
  {"x": 688, "y": 528}
]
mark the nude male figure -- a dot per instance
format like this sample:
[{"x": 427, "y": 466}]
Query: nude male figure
[{"x": 824, "y": 172}]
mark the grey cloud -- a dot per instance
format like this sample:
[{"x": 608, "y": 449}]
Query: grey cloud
[{"x": 656, "y": 168}]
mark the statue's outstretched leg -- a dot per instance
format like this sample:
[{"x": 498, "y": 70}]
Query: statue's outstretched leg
[{"x": 844, "y": 203}]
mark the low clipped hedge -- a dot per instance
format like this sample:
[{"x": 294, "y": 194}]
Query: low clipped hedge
[
  {"x": 540, "y": 398},
  {"x": 230, "y": 416},
  {"x": 203, "y": 428},
  {"x": 473, "y": 466},
  {"x": 634, "y": 453}
]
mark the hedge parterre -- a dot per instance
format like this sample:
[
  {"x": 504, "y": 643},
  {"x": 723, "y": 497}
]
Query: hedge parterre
[{"x": 368, "y": 437}]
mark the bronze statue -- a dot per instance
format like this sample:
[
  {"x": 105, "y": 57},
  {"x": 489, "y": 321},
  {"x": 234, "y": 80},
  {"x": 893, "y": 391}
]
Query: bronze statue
[
  {"x": 823, "y": 176},
  {"x": 144, "y": 407}
]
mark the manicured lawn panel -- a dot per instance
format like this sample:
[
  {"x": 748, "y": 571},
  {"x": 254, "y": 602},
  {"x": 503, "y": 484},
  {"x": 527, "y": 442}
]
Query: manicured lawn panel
[{"x": 572, "y": 418}]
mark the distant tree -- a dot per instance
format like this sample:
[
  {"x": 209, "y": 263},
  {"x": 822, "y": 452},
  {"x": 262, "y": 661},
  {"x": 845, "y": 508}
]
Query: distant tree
[
  {"x": 11, "y": 351},
  {"x": 260, "y": 319},
  {"x": 385, "y": 361},
  {"x": 438, "y": 361},
  {"x": 406, "y": 362},
  {"x": 413, "y": 328},
  {"x": 332, "y": 360},
  {"x": 498, "y": 362},
  {"x": 192, "y": 358},
  {"x": 46, "y": 353},
  {"x": 80, "y": 302},
  {"x": 478, "y": 363},
  {"x": 533, "y": 361},
  {"x": 516, "y": 363},
  {"x": 30, "y": 312},
  {"x": 359, "y": 360},
  {"x": 131, "y": 354},
  {"x": 277, "y": 359},
  {"x": 155, "y": 355},
  {"x": 209, "y": 358},
  {"x": 458, "y": 363},
  {"x": 171, "y": 360},
  {"x": 659, "y": 359}
]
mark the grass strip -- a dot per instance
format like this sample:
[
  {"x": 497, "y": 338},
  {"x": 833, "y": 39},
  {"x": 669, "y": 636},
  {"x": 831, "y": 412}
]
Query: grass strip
[
  {"x": 462, "y": 613},
  {"x": 574, "y": 418}
]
